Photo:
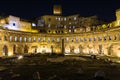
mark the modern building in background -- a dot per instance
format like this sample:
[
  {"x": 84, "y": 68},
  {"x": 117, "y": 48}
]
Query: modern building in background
[{"x": 59, "y": 34}]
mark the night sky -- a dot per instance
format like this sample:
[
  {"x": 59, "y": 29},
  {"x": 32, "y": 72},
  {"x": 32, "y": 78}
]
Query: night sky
[{"x": 30, "y": 9}]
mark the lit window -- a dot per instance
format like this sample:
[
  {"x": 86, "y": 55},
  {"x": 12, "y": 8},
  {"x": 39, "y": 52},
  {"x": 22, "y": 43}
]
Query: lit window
[
  {"x": 81, "y": 40},
  {"x": 30, "y": 39},
  {"x": 69, "y": 30},
  {"x": 67, "y": 39},
  {"x": 20, "y": 39},
  {"x": 73, "y": 27},
  {"x": 110, "y": 37},
  {"x": 43, "y": 39},
  {"x": 74, "y": 30},
  {"x": 34, "y": 39},
  {"x": 59, "y": 19},
  {"x": 58, "y": 39},
  {"x": 25, "y": 39},
  {"x": 49, "y": 25},
  {"x": 56, "y": 18},
  {"x": 48, "y": 39},
  {"x": 69, "y": 23},
  {"x": 76, "y": 39},
  {"x": 65, "y": 26},
  {"x": 15, "y": 38},
  {"x": 65, "y": 19},
  {"x": 10, "y": 38},
  {"x": 94, "y": 38},
  {"x": 33, "y": 24},
  {"x": 38, "y": 39},
  {"x": 75, "y": 18},
  {"x": 99, "y": 38}
]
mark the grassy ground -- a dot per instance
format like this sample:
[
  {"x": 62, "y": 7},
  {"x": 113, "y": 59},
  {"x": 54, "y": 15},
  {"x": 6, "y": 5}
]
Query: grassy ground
[{"x": 66, "y": 70}]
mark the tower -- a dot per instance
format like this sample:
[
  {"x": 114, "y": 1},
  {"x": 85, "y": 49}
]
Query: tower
[
  {"x": 57, "y": 10},
  {"x": 118, "y": 17},
  {"x": 118, "y": 14}
]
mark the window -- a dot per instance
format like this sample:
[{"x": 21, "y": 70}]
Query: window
[
  {"x": 43, "y": 39},
  {"x": 105, "y": 38},
  {"x": 67, "y": 39},
  {"x": 59, "y": 19},
  {"x": 33, "y": 24},
  {"x": 76, "y": 39},
  {"x": 65, "y": 26},
  {"x": 25, "y": 39},
  {"x": 48, "y": 39},
  {"x": 14, "y": 24},
  {"x": 10, "y": 38},
  {"x": 110, "y": 37},
  {"x": 30, "y": 39},
  {"x": 20, "y": 39},
  {"x": 58, "y": 39},
  {"x": 85, "y": 39},
  {"x": 75, "y": 18},
  {"x": 90, "y": 39},
  {"x": 38, "y": 39},
  {"x": 81, "y": 40},
  {"x": 15, "y": 38},
  {"x": 70, "y": 31},
  {"x": 49, "y": 31},
  {"x": 94, "y": 38},
  {"x": 53, "y": 40},
  {"x": 49, "y": 19},
  {"x": 73, "y": 27},
  {"x": 49, "y": 25},
  {"x": 116, "y": 37},
  {"x": 34, "y": 39},
  {"x": 65, "y": 19},
  {"x": 72, "y": 39},
  {"x": 99, "y": 38},
  {"x": 74, "y": 30},
  {"x": 5, "y": 38}
]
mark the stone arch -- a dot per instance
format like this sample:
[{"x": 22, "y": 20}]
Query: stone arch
[
  {"x": 72, "y": 49},
  {"x": 81, "y": 49},
  {"x": 100, "y": 49},
  {"x": 5, "y": 50},
  {"x": 25, "y": 49},
  {"x": 14, "y": 49},
  {"x": 110, "y": 49}
]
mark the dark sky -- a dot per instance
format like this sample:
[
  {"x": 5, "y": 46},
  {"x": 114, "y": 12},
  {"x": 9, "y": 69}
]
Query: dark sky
[{"x": 30, "y": 9}]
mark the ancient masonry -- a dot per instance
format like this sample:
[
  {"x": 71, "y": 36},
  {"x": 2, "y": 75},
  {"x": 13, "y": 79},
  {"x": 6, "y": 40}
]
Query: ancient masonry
[{"x": 59, "y": 34}]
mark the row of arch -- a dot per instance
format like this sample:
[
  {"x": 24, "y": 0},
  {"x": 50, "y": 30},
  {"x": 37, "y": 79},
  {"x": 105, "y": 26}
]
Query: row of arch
[
  {"x": 57, "y": 39},
  {"x": 6, "y": 50}
]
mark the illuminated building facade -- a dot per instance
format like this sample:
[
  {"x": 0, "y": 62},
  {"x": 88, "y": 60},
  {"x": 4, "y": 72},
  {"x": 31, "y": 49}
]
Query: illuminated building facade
[{"x": 60, "y": 34}]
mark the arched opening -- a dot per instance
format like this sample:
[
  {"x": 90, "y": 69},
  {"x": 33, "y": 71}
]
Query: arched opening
[
  {"x": 72, "y": 49},
  {"x": 14, "y": 49},
  {"x": 5, "y": 51},
  {"x": 100, "y": 50},
  {"x": 81, "y": 49},
  {"x": 26, "y": 49}
]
